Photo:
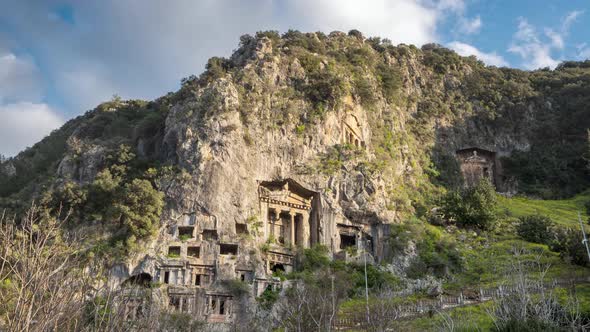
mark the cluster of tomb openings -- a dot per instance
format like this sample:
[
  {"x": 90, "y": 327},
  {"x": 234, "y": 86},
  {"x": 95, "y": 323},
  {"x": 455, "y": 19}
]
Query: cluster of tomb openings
[
  {"x": 352, "y": 140},
  {"x": 280, "y": 227},
  {"x": 200, "y": 277},
  {"x": 228, "y": 249},
  {"x": 219, "y": 305}
]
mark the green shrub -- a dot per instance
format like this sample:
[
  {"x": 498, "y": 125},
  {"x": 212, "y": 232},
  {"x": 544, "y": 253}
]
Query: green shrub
[
  {"x": 355, "y": 33},
  {"x": 377, "y": 279},
  {"x": 268, "y": 298},
  {"x": 308, "y": 41},
  {"x": 568, "y": 243},
  {"x": 399, "y": 238},
  {"x": 535, "y": 228},
  {"x": 273, "y": 35},
  {"x": 216, "y": 68},
  {"x": 185, "y": 237},
  {"x": 180, "y": 322},
  {"x": 315, "y": 258},
  {"x": 390, "y": 79},
  {"x": 140, "y": 208},
  {"x": 437, "y": 255},
  {"x": 474, "y": 206},
  {"x": 364, "y": 89},
  {"x": 529, "y": 325}
]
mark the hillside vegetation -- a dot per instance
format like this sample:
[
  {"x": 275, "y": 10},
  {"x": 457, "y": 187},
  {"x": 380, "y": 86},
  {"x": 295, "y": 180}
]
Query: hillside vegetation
[{"x": 124, "y": 172}]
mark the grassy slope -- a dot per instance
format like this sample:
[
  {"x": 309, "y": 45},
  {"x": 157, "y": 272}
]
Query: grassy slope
[
  {"x": 563, "y": 212},
  {"x": 477, "y": 317},
  {"x": 486, "y": 256}
]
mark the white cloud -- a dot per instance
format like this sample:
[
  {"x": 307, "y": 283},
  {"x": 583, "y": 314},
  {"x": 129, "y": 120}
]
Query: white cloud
[
  {"x": 555, "y": 37},
  {"x": 570, "y": 19},
  {"x": 148, "y": 46},
  {"x": 23, "y": 124},
  {"x": 402, "y": 21},
  {"x": 492, "y": 59},
  {"x": 23, "y": 118},
  {"x": 535, "y": 51},
  {"x": 19, "y": 78},
  {"x": 583, "y": 51},
  {"x": 470, "y": 26}
]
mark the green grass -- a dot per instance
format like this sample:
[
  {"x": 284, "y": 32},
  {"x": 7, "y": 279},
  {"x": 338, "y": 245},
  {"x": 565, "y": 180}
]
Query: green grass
[
  {"x": 583, "y": 295},
  {"x": 477, "y": 317},
  {"x": 487, "y": 261},
  {"x": 563, "y": 212},
  {"x": 468, "y": 318}
]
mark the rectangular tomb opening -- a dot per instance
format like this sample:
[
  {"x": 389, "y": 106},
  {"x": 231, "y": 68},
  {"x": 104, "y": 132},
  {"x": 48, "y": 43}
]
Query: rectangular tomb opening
[
  {"x": 347, "y": 240},
  {"x": 193, "y": 251},
  {"x": 186, "y": 232},
  {"x": 241, "y": 228},
  {"x": 228, "y": 249},
  {"x": 174, "y": 251}
]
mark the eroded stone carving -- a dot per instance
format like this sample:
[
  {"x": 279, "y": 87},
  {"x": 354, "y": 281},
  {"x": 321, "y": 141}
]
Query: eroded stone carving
[{"x": 477, "y": 164}]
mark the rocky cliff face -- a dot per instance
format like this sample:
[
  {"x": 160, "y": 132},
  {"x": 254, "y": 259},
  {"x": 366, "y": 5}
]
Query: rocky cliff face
[{"x": 302, "y": 140}]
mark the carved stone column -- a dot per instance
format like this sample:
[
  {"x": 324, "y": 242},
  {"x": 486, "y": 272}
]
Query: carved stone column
[{"x": 292, "y": 215}]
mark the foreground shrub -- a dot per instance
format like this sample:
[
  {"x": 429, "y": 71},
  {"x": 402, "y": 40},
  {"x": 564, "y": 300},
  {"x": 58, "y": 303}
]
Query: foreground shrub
[
  {"x": 535, "y": 228},
  {"x": 474, "y": 206}
]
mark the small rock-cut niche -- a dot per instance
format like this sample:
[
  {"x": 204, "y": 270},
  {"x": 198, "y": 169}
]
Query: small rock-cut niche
[
  {"x": 245, "y": 275},
  {"x": 276, "y": 267},
  {"x": 210, "y": 235},
  {"x": 193, "y": 251},
  {"x": 185, "y": 232},
  {"x": 228, "y": 249},
  {"x": 241, "y": 229},
  {"x": 174, "y": 251},
  {"x": 347, "y": 240},
  {"x": 141, "y": 280}
]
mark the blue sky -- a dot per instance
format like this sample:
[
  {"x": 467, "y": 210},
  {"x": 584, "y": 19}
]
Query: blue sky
[{"x": 59, "y": 59}]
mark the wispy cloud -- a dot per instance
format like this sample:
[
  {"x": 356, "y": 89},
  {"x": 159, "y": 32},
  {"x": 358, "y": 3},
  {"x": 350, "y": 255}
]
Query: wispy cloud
[
  {"x": 536, "y": 50},
  {"x": 492, "y": 59},
  {"x": 469, "y": 26}
]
